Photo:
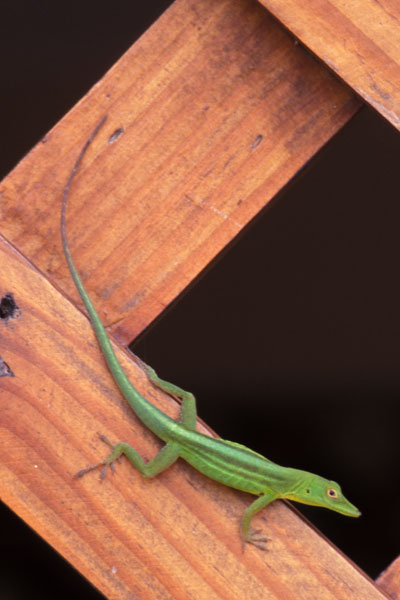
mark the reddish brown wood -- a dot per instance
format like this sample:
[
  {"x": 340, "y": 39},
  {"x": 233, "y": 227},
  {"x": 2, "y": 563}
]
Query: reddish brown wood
[
  {"x": 210, "y": 114},
  {"x": 359, "y": 40},
  {"x": 174, "y": 537},
  {"x": 389, "y": 580},
  {"x": 219, "y": 109}
]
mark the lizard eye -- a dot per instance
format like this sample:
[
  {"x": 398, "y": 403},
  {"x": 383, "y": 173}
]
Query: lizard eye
[{"x": 332, "y": 493}]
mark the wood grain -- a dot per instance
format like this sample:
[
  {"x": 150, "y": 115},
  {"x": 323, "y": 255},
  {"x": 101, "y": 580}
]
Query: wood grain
[
  {"x": 211, "y": 113},
  {"x": 389, "y": 580},
  {"x": 174, "y": 537},
  {"x": 359, "y": 40}
]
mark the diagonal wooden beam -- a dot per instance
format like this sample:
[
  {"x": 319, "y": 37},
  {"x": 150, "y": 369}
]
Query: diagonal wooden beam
[
  {"x": 358, "y": 40},
  {"x": 389, "y": 580},
  {"x": 216, "y": 110},
  {"x": 174, "y": 537}
]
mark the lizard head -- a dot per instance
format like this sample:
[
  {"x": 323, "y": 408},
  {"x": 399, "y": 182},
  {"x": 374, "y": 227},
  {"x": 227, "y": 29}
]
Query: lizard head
[{"x": 319, "y": 491}]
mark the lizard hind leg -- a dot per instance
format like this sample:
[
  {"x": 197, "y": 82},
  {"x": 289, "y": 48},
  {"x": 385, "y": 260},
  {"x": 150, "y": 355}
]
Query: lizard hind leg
[
  {"x": 163, "y": 459},
  {"x": 188, "y": 412},
  {"x": 117, "y": 451}
]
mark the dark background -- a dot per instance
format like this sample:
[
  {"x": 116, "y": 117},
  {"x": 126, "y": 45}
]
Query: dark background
[{"x": 290, "y": 340}]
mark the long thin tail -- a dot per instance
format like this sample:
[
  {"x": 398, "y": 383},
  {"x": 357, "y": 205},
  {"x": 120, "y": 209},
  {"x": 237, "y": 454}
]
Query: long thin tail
[{"x": 128, "y": 390}]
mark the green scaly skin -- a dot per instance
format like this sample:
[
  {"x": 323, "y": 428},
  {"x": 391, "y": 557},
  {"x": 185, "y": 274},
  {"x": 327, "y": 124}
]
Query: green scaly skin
[{"x": 227, "y": 462}]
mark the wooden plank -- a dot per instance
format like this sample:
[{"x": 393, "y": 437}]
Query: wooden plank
[
  {"x": 174, "y": 537},
  {"x": 217, "y": 110},
  {"x": 358, "y": 40},
  {"x": 389, "y": 580}
]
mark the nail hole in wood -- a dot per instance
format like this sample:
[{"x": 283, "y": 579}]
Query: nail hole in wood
[
  {"x": 117, "y": 134},
  {"x": 8, "y": 307},
  {"x": 5, "y": 370}
]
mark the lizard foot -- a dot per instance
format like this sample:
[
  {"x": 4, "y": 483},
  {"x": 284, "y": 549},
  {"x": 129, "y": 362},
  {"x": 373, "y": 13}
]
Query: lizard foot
[
  {"x": 107, "y": 462},
  {"x": 254, "y": 537}
]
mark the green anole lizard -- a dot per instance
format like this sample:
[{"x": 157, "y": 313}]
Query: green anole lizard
[{"x": 227, "y": 462}]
